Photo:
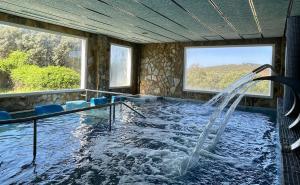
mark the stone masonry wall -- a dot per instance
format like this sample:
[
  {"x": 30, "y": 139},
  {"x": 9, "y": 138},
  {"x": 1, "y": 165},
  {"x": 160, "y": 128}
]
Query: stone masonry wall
[
  {"x": 27, "y": 102},
  {"x": 161, "y": 70}
]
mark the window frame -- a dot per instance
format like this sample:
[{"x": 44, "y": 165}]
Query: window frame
[
  {"x": 271, "y": 86},
  {"x": 131, "y": 64},
  {"x": 83, "y": 65}
]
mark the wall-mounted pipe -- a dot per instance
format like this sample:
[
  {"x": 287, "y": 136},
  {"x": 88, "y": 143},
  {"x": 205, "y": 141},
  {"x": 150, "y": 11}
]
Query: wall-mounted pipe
[{"x": 263, "y": 67}]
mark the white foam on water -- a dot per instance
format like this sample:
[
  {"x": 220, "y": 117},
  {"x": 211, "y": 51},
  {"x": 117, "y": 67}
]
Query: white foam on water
[
  {"x": 229, "y": 113},
  {"x": 238, "y": 87},
  {"x": 203, "y": 136},
  {"x": 149, "y": 151}
]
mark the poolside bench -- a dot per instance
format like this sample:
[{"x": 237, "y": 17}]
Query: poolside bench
[
  {"x": 117, "y": 98},
  {"x": 78, "y": 104},
  {"x": 4, "y": 115},
  {"x": 98, "y": 101},
  {"x": 48, "y": 109}
]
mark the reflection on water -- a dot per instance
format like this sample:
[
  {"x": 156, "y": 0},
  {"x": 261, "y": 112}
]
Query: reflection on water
[{"x": 78, "y": 149}]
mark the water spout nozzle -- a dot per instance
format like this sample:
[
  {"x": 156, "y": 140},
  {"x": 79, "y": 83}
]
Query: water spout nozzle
[{"x": 263, "y": 67}]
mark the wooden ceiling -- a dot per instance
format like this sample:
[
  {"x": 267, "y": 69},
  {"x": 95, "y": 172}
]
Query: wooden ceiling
[{"x": 155, "y": 21}]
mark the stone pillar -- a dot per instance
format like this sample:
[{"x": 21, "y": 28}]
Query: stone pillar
[{"x": 292, "y": 62}]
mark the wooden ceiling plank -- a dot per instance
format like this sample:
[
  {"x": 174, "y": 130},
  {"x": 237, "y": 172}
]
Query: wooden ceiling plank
[
  {"x": 209, "y": 17},
  {"x": 272, "y": 16}
]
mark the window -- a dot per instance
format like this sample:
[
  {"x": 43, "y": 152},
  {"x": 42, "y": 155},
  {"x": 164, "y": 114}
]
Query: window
[
  {"x": 36, "y": 60},
  {"x": 120, "y": 66},
  {"x": 211, "y": 69}
]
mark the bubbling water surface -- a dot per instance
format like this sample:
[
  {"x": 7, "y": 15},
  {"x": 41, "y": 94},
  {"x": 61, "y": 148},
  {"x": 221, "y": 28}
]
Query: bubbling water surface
[{"x": 78, "y": 149}]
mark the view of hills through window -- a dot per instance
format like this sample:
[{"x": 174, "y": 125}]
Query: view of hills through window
[
  {"x": 32, "y": 60},
  {"x": 214, "y": 68}
]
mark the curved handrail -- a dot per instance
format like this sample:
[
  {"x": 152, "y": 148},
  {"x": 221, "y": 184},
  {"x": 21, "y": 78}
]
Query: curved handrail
[
  {"x": 295, "y": 86},
  {"x": 295, "y": 106}
]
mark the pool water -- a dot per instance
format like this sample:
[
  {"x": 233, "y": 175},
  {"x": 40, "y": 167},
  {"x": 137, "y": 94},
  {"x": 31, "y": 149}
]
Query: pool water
[{"x": 78, "y": 149}]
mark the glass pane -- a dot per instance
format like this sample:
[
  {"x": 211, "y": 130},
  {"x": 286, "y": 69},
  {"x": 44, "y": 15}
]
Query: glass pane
[
  {"x": 120, "y": 66},
  {"x": 214, "y": 68},
  {"x": 33, "y": 60}
]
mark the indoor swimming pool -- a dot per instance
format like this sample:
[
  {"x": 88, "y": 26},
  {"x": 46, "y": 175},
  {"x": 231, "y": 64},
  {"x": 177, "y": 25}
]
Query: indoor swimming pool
[{"x": 78, "y": 148}]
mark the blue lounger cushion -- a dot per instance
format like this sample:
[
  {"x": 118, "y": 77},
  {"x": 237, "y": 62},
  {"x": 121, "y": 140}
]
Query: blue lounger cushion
[
  {"x": 48, "y": 109},
  {"x": 4, "y": 115},
  {"x": 117, "y": 98},
  {"x": 78, "y": 104},
  {"x": 98, "y": 101}
]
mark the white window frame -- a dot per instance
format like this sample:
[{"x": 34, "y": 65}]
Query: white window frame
[
  {"x": 130, "y": 81},
  {"x": 83, "y": 70},
  {"x": 271, "y": 86}
]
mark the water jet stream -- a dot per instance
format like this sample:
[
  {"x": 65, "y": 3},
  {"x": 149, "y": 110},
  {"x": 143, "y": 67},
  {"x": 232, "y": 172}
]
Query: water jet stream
[{"x": 239, "y": 88}]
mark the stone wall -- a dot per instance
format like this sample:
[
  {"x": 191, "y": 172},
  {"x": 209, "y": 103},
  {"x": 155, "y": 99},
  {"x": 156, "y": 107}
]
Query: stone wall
[
  {"x": 161, "y": 70},
  {"x": 99, "y": 61},
  {"x": 98, "y": 55},
  {"x": 28, "y": 101}
]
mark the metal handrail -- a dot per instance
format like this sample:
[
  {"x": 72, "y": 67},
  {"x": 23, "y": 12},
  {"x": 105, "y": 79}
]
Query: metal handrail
[
  {"x": 133, "y": 110},
  {"x": 295, "y": 86},
  {"x": 31, "y": 118},
  {"x": 108, "y": 92},
  {"x": 35, "y": 118},
  {"x": 116, "y": 93}
]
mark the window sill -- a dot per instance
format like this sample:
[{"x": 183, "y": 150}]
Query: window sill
[
  {"x": 216, "y": 92},
  {"x": 40, "y": 93},
  {"x": 120, "y": 87}
]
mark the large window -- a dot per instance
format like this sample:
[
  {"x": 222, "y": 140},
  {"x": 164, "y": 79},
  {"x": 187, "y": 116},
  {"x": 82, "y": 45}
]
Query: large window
[
  {"x": 212, "y": 69},
  {"x": 120, "y": 66},
  {"x": 36, "y": 60}
]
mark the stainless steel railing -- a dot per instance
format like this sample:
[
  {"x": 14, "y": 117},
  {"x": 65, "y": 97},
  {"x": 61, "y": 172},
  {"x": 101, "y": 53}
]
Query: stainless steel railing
[{"x": 34, "y": 119}]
